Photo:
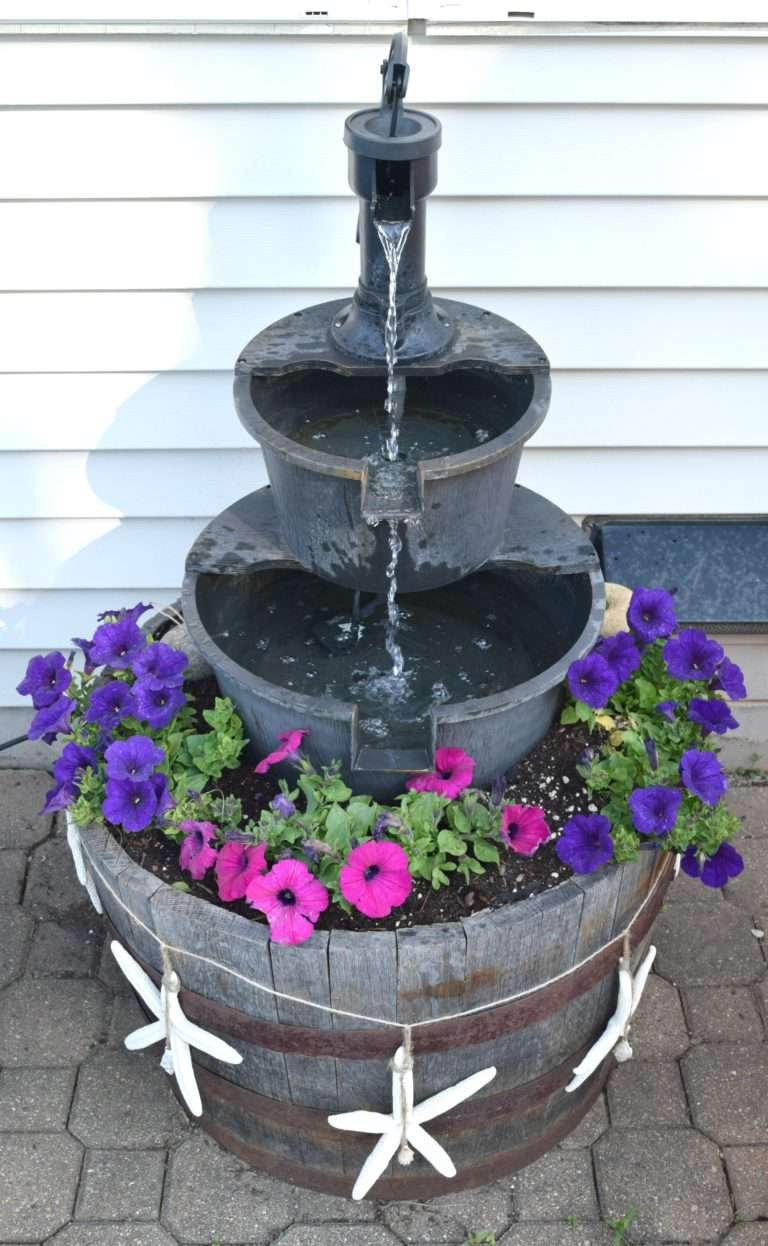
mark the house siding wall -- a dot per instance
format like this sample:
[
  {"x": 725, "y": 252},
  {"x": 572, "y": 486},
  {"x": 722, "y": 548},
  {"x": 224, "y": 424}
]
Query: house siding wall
[{"x": 164, "y": 198}]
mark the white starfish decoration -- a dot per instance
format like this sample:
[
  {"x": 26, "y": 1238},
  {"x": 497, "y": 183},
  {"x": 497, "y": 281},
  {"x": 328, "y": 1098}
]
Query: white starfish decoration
[
  {"x": 405, "y": 1123},
  {"x": 84, "y": 876},
  {"x": 173, "y": 1027},
  {"x": 616, "y": 1031}
]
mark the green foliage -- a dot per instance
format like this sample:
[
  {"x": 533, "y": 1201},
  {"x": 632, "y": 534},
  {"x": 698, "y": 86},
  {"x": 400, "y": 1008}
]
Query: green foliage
[
  {"x": 621, "y": 1226},
  {"x": 198, "y": 758},
  {"x": 481, "y": 1237}
]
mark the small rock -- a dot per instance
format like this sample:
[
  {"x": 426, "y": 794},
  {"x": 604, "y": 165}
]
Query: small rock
[
  {"x": 617, "y": 599},
  {"x": 178, "y": 637},
  {"x": 759, "y": 934}
]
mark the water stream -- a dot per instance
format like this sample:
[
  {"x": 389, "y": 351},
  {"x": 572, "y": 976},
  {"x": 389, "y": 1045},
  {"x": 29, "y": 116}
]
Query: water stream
[{"x": 393, "y": 236}]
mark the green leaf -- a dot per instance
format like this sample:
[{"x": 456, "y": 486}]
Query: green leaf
[
  {"x": 448, "y": 841},
  {"x": 337, "y": 833},
  {"x": 180, "y": 886},
  {"x": 569, "y": 715},
  {"x": 362, "y": 816},
  {"x": 485, "y": 851},
  {"x": 337, "y": 790},
  {"x": 439, "y": 879}
]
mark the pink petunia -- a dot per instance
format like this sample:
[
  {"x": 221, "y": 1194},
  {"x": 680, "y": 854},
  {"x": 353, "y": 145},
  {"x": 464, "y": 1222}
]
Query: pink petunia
[
  {"x": 291, "y": 898},
  {"x": 236, "y": 864},
  {"x": 290, "y": 741},
  {"x": 196, "y": 855},
  {"x": 523, "y": 828},
  {"x": 375, "y": 878},
  {"x": 453, "y": 773}
]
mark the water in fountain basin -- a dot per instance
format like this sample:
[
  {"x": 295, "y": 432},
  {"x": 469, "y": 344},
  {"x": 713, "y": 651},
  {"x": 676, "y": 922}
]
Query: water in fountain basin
[{"x": 360, "y": 433}]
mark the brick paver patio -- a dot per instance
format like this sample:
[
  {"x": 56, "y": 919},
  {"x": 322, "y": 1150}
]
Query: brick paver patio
[{"x": 94, "y": 1150}]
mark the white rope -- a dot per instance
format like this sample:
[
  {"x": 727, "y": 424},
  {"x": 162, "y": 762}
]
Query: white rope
[{"x": 166, "y": 948}]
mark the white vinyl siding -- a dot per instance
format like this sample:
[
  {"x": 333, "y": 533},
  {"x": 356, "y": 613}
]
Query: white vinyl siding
[{"x": 164, "y": 198}]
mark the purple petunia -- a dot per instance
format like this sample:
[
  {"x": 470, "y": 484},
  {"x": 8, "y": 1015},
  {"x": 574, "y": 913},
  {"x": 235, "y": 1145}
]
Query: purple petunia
[
  {"x": 654, "y": 809},
  {"x": 110, "y": 704},
  {"x": 116, "y": 644},
  {"x": 692, "y": 655},
  {"x": 282, "y": 806},
  {"x": 652, "y": 754},
  {"x": 667, "y": 710},
  {"x": 67, "y": 769},
  {"x": 585, "y": 843},
  {"x": 130, "y": 805},
  {"x": 621, "y": 653},
  {"x": 163, "y": 797},
  {"x": 46, "y": 679},
  {"x": 592, "y": 681},
  {"x": 160, "y": 666},
  {"x": 132, "y": 613},
  {"x": 713, "y": 871},
  {"x": 651, "y": 614},
  {"x": 729, "y": 678},
  {"x": 133, "y": 760},
  {"x": 711, "y": 715},
  {"x": 157, "y": 706},
  {"x": 703, "y": 775},
  {"x": 52, "y": 719}
]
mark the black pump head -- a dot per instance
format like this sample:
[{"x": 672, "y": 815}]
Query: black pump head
[{"x": 392, "y": 169}]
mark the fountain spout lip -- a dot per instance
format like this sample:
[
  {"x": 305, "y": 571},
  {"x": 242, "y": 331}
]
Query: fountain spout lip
[{"x": 419, "y": 135}]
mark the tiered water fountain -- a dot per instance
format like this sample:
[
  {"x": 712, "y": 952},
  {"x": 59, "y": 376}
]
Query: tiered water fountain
[{"x": 393, "y": 591}]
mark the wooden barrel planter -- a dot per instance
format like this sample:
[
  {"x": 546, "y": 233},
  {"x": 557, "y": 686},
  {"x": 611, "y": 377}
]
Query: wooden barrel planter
[{"x": 299, "y": 1065}]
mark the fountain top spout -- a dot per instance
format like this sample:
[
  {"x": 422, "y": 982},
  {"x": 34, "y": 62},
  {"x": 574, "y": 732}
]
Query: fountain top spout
[
  {"x": 392, "y": 132},
  {"x": 395, "y": 72}
]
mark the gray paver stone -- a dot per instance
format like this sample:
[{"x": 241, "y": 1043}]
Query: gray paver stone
[
  {"x": 557, "y": 1185},
  {"x": 723, "y": 1014},
  {"x": 124, "y": 1099},
  {"x": 647, "y": 1092},
  {"x": 48, "y": 1021},
  {"x": 15, "y": 934},
  {"x": 337, "y": 1235},
  {"x": 38, "y": 1181},
  {"x": 35, "y": 1099},
  {"x": 22, "y": 793},
  {"x": 208, "y": 1191},
  {"x": 126, "y": 1016},
  {"x": 751, "y": 804},
  {"x": 556, "y": 1235},
  {"x": 695, "y": 950},
  {"x": 672, "y": 1176},
  {"x": 121, "y": 1185},
  {"x": 748, "y": 1171},
  {"x": 727, "y": 1088},
  {"x": 749, "y": 891},
  {"x": 112, "y": 1235},
  {"x": 658, "y": 1027},
  {"x": 747, "y": 1235},
  {"x": 13, "y": 865},
  {"x": 110, "y": 973},
  {"x": 52, "y": 890},
  {"x": 589, "y": 1129},
  {"x": 63, "y": 951},
  {"x": 451, "y": 1217},
  {"x": 686, "y": 890},
  {"x": 310, "y": 1206}
]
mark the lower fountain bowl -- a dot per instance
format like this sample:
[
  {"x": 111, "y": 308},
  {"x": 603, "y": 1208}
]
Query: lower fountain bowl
[{"x": 485, "y": 659}]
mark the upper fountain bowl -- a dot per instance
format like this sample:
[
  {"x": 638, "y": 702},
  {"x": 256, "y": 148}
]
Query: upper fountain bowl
[{"x": 318, "y": 416}]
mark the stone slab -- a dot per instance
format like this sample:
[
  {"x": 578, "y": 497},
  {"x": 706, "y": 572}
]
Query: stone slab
[
  {"x": 22, "y": 795},
  {"x": 13, "y": 866},
  {"x": 556, "y": 1235},
  {"x": 727, "y": 1088},
  {"x": 38, "y": 1181},
  {"x": 747, "y": 1235},
  {"x": 723, "y": 1014},
  {"x": 749, "y": 891},
  {"x": 121, "y": 1185},
  {"x": 35, "y": 1099},
  {"x": 15, "y": 935},
  {"x": 589, "y": 1129},
  {"x": 452, "y": 1217},
  {"x": 556, "y": 1186},
  {"x": 748, "y": 1173},
  {"x": 672, "y": 1176},
  {"x": 60, "y": 950},
  {"x": 337, "y": 1235},
  {"x": 642, "y": 1093},
  {"x": 254, "y": 1210},
  {"x": 50, "y": 1022},
  {"x": 751, "y": 804},
  {"x": 113, "y": 1235},
  {"x": 124, "y": 1099},
  {"x": 696, "y": 950},
  {"x": 658, "y": 1026},
  {"x": 52, "y": 891}
]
